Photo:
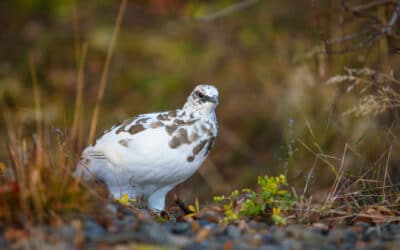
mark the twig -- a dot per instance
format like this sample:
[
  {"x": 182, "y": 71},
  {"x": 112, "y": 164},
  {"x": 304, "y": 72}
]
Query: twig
[
  {"x": 377, "y": 32},
  {"x": 38, "y": 112},
  {"x": 347, "y": 37},
  {"x": 372, "y": 4},
  {"x": 229, "y": 10},
  {"x": 309, "y": 176},
  {"x": 359, "y": 13},
  {"x": 331, "y": 196},
  {"x": 368, "y": 42},
  {"x": 182, "y": 205},
  {"x": 386, "y": 172},
  {"x": 393, "y": 20}
]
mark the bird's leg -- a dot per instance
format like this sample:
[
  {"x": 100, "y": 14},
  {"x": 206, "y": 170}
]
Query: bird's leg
[
  {"x": 115, "y": 191},
  {"x": 118, "y": 191},
  {"x": 156, "y": 200}
]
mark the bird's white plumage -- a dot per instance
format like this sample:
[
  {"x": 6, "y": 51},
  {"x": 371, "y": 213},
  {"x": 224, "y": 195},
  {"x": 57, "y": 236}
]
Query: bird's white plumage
[{"x": 148, "y": 155}]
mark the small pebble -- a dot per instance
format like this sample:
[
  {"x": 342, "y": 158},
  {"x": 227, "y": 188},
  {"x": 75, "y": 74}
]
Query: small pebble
[
  {"x": 93, "y": 230},
  {"x": 256, "y": 240},
  {"x": 233, "y": 231},
  {"x": 66, "y": 232},
  {"x": 180, "y": 227},
  {"x": 268, "y": 239},
  {"x": 289, "y": 244},
  {"x": 270, "y": 247},
  {"x": 202, "y": 234},
  {"x": 370, "y": 234}
]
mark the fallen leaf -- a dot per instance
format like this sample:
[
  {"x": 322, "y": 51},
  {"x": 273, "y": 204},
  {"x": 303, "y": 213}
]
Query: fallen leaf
[
  {"x": 228, "y": 245},
  {"x": 202, "y": 234},
  {"x": 13, "y": 234},
  {"x": 195, "y": 226}
]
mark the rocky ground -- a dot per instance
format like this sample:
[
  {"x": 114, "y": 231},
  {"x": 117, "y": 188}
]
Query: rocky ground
[{"x": 125, "y": 228}]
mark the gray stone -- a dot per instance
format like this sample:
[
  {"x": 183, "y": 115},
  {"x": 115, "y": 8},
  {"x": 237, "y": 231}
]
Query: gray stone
[
  {"x": 93, "y": 230},
  {"x": 289, "y": 244},
  {"x": 350, "y": 236},
  {"x": 66, "y": 232},
  {"x": 268, "y": 239},
  {"x": 270, "y": 247},
  {"x": 233, "y": 231},
  {"x": 180, "y": 227},
  {"x": 279, "y": 234},
  {"x": 370, "y": 234}
]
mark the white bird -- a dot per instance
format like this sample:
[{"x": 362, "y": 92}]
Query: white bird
[{"x": 148, "y": 155}]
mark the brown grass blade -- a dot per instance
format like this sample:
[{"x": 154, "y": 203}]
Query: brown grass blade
[
  {"x": 104, "y": 75},
  {"x": 76, "y": 125}
]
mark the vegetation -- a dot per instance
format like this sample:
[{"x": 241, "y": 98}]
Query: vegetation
[
  {"x": 126, "y": 200},
  {"x": 313, "y": 95},
  {"x": 268, "y": 203}
]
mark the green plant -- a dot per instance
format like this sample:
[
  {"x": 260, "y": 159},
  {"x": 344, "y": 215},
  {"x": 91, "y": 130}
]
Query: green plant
[
  {"x": 194, "y": 209},
  {"x": 270, "y": 202},
  {"x": 126, "y": 200}
]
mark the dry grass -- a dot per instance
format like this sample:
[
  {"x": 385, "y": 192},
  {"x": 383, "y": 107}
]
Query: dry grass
[
  {"x": 373, "y": 196},
  {"x": 378, "y": 92},
  {"x": 104, "y": 74},
  {"x": 37, "y": 184}
]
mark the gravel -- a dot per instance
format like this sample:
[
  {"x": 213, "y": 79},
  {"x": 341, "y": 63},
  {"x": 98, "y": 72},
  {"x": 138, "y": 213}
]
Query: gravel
[{"x": 125, "y": 228}]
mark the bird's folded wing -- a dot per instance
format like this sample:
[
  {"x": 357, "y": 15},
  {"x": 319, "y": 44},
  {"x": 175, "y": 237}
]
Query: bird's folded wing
[{"x": 94, "y": 154}]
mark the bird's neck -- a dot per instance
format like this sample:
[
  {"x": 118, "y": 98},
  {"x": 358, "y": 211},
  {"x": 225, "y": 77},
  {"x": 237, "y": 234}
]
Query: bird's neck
[{"x": 206, "y": 111}]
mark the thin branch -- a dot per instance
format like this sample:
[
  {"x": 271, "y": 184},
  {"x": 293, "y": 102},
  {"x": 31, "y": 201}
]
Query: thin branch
[
  {"x": 368, "y": 42},
  {"x": 393, "y": 20},
  {"x": 376, "y": 31},
  {"x": 229, "y": 10},
  {"x": 373, "y": 4},
  {"x": 347, "y": 37},
  {"x": 359, "y": 13}
]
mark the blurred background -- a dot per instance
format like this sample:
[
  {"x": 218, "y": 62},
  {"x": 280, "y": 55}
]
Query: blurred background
[{"x": 293, "y": 78}]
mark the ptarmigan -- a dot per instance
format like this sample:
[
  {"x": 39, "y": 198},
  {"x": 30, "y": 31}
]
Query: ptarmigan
[{"x": 148, "y": 155}]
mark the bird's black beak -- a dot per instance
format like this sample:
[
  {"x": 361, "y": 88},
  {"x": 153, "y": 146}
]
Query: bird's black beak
[{"x": 213, "y": 99}]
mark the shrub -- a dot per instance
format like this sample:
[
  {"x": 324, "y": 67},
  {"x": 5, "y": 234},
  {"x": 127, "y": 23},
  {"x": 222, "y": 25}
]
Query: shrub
[{"x": 269, "y": 203}]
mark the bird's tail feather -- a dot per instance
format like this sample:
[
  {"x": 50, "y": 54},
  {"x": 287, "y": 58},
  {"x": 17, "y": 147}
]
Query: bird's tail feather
[{"x": 91, "y": 165}]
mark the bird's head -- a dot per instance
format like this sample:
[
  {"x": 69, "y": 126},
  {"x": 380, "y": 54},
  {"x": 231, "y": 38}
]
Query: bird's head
[{"x": 203, "y": 99}]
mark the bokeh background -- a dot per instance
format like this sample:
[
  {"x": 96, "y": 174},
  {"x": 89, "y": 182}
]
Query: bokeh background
[{"x": 276, "y": 115}]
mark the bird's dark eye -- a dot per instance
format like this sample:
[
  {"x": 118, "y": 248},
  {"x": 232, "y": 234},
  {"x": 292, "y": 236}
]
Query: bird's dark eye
[{"x": 199, "y": 94}]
